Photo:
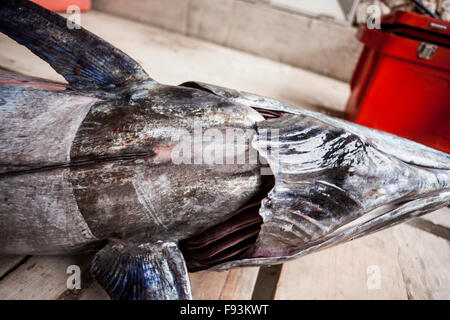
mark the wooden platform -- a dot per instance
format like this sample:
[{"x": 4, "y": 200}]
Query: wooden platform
[{"x": 411, "y": 261}]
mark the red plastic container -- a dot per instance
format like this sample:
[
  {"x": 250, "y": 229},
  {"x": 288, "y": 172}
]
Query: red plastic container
[
  {"x": 62, "y": 5},
  {"x": 401, "y": 83}
]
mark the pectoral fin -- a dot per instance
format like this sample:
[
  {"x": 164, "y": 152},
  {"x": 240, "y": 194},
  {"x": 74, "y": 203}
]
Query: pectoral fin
[{"x": 150, "y": 271}]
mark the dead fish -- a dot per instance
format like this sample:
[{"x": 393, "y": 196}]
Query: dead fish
[{"x": 88, "y": 165}]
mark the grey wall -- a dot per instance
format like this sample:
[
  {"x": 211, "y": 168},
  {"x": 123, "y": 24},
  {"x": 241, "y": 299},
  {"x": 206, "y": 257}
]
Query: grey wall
[{"x": 321, "y": 46}]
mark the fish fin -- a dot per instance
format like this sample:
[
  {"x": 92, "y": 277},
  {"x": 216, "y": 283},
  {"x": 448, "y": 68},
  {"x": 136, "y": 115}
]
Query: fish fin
[
  {"x": 149, "y": 271},
  {"x": 251, "y": 100},
  {"x": 82, "y": 58},
  {"x": 405, "y": 150},
  {"x": 216, "y": 90}
]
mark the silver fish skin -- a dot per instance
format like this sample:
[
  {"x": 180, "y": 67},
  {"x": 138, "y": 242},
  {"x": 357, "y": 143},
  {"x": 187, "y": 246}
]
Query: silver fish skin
[
  {"x": 334, "y": 180},
  {"x": 89, "y": 165},
  {"x": 106, "y": 170}
]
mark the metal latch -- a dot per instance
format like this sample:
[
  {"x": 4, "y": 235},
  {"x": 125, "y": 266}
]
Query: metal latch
[
  {"x": 437, "y": 26},
  {"x": 426, "y": 50}
]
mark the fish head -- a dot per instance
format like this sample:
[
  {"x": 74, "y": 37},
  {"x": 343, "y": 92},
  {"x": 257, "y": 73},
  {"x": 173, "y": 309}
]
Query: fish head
[{"x": 335, "y": 181}]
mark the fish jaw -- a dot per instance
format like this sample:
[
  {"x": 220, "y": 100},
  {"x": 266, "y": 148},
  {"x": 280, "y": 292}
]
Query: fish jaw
[{"x": 400, "y": 214}]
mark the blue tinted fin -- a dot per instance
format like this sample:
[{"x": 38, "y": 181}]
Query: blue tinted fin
[
  {"x": 82, "y": 58},
  {"x": 150, "y": 271}
]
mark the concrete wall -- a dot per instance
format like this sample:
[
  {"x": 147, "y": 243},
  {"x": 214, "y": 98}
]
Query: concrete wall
[{"x": 321, "y": 46}]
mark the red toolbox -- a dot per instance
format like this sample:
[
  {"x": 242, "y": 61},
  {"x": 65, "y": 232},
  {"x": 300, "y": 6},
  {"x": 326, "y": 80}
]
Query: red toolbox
[{"x": 401, "y": 83}]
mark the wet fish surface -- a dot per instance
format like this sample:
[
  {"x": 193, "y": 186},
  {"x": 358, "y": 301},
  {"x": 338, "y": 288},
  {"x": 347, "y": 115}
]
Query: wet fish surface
[{"x": 160, "y": 180}]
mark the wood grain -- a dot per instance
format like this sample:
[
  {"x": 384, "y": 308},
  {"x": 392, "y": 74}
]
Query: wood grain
[
  {"x": 440, "y": 217},
  {"x": 7, "y": 263},
  {"x": 207, "y": 285},
  {"x": 424, "y": 261},
  {"x": 236, "y": 284},
  {"x": 40, "y": 277},
  {"x": 412, "y": 264}
]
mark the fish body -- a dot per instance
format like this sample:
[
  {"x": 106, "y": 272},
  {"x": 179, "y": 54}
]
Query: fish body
[
  {"x": 164, "y": 179},
  {"x": 107, "y": 168}
]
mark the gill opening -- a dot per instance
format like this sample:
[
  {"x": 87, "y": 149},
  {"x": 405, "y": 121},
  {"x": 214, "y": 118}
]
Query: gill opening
[
  {"x": 234, "y": 237},
  {"x": 230, "y": 239}
]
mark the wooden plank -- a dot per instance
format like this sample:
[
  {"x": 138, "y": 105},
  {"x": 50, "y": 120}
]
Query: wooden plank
[
  {"x": 430, "y": 227},
  {"x": 424, "y": 260},
  {"x": 239, "y": 284},
  {"x": 9, "y": 262},
  {"x": 235, "y": 284},
  {"x": 45, "y": 278},
  {"x": 266, "y": 283},
  {"x": 341, "y": 272},
  {"x": 440, "y": 217},
  {"x": 207, "y": 285},
  {"x": 412, "y": 264},
  {"x": 41, "y": 277}
]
